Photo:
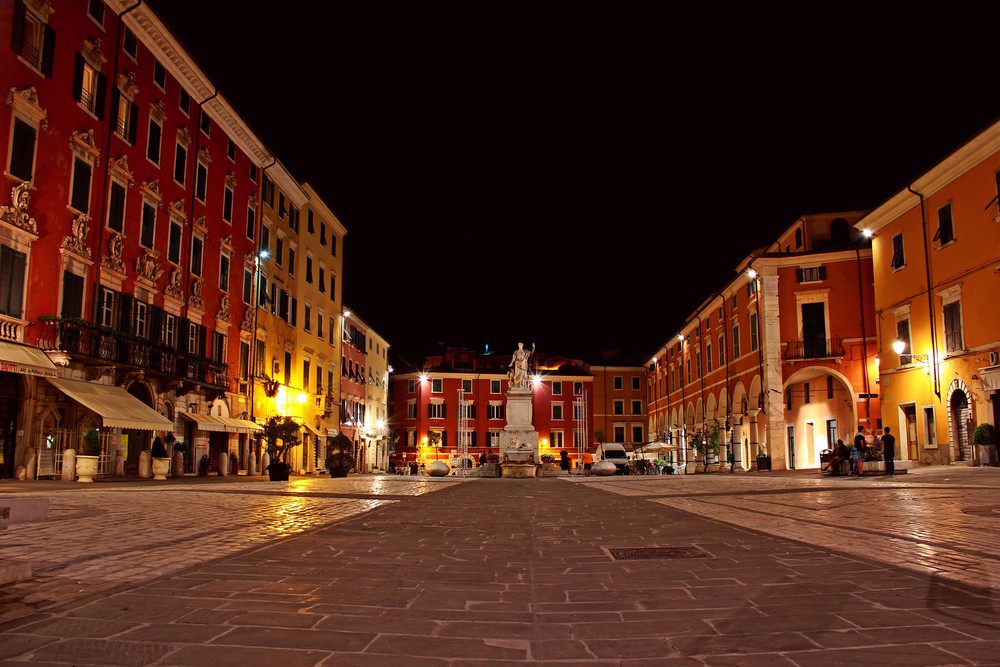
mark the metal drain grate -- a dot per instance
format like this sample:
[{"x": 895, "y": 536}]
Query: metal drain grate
[{"x": 650, "y": 553}]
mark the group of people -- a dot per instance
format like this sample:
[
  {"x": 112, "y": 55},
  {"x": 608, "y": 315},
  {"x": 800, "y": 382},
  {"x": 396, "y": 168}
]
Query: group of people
[{"x": 882, "y": 447}]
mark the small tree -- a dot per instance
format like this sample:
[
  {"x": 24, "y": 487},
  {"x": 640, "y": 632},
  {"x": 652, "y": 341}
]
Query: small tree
[
  {"x": 338, "y": 454},
  {"x": 280, "y": 435},
  {"x": 985, "y": 434},
  {"x": 91, "y": 444}
]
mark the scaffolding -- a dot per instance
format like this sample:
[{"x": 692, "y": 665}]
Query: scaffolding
[
  {"x": 464, "y": 463},
  {"x": 580, "y": 434}
]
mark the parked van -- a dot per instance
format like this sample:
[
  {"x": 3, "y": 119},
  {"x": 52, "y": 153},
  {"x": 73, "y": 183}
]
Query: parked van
[{"x": 614, "y": 452}]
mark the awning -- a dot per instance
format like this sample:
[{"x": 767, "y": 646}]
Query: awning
[
  {"x": 222, "y": 424},
  {"x": 315, "y": 432},
  {"x": 26, "y": 360},
  {"x": 117, "y": 407}
]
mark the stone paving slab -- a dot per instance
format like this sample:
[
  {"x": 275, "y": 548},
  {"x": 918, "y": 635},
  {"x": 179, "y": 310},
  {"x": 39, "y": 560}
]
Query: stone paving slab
[{"x": 508, "y": 571}]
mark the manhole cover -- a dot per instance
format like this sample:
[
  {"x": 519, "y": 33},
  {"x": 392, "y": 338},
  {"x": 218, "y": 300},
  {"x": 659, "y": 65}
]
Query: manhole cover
[
  {"x": 650, "y": 553},
  {"x": 984, "y": 511}
]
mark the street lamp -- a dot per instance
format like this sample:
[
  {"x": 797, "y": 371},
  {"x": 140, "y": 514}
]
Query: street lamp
[{"x": 899, "y": 347}]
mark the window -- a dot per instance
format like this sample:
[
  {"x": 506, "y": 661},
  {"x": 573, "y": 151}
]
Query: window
[
  {"x": 184, "y": 103},
  {"x": 309, "y": 223},
  {"x": 201, "y": 181},
  {"x": 291, "y": 260},
  {"x": 305, "y": 373},
  {"x": 22, "y": 150},
  {"x": 930, "y": 429},
  {"x": 689, "y": 370},
  {"x": 557, "y": 439},
  {"x": 494, "y": 386},
  {"x": 33, "y": 39},
  {"x": 247, "y": 285},
  {"x": 437, "y": 385},
  {"x": 332, "y": 328},
  {"x": 140, "y": 322},
  {"x": 253, "y": 172},
  {"x": 617, "y": 382},
  {"x": 619, "y": 432},
  {"x": 218, "y": 346},
  {"x": 697, "y": 362},
  {"x": 309, "y": 269},
  {"x": 753, "y": 332},
  {"x": 333, "y": 286},
  {"x": 322, "y": 233},
  {"x": 411, "y": 409},
  {"x": 180, "y": 163},
  {"x": 619, "y": 407},
  {"x": 265, "y": 239},
  {"x": 903, "y": 334},
  {"x": 95, "y": 10},
  {"x": 12, "y": 265},
  {"x": 193, "y": 338},
  {"x": 159, "y": 75},
  {"x": 411, "y": 386},
  {"x": 333, "y": 245},
  {"x": 227, "y": 205},
  {"x": 124, "y": 117},
  {"x": 811, "y": 274},
  {"x": 251, "y": 222},
  {"x": 307, "y": 317},
  {"x": 147, "y": 225},
  {"x": 322, "y": 278},
  {"x": 829, "y": 387},
  {"x": 116, "y": 206},
  {"x": 636, "y": 383},
  {"x": 231, "y": 150},
  {"x": 557, "y": 411},
  {"x": 435, "y": 411},
  {"x": 898, "y": 257},
  {"x": 496, "y": 410},
  {"x": 72, "y": 295},
  {"x": 130, "y": 44},
  {"x": 244, "y": 369},
  {"x": 806, "y": 390},
  {"x": 89, "y": 86},
  {"x": 577, "y": 410},
  {"x": 556, "y": 388},
  {"x": 283, "y": 305},
  {"x": 577, "y": 388},
  {"x": 467, "y": 386},
  {"x": 708, "y": 355},
  {"x": 174, "y": 244},
  {"x": 493, "y": 438},
  {"x": 319, "y": 324},
  {"x": 788, "y": 398},
  {"x": 736, "y": 341},
  {"x": 735, "y": 301},
  {"x": 80, "y": 189},
  {"x": 205, "y": 123},
  {"x": 722, "y": 351},
  {"x": 946, "y": 230},
  {"x": 751, "y": 288},
  {"x": 637, "y": 435},
  {"x": 953, "y": 327},
  {"x": 197, "y": 246},
  {"x": 636, "y": 407},
  {"x": 153, "y": 142},
  {"x": 224, "y": 273},
  {"x": 279, "y": 249}
]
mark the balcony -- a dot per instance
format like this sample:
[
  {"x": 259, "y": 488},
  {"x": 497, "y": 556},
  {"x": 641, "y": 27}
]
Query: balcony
[
  {"x": 98, "y": 343},
  {"x": 814, "y": 348}
]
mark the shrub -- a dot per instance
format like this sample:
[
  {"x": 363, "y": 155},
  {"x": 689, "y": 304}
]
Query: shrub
[
  {"x": 91, "y": 444},
  {"x": 985, "y": 434}
]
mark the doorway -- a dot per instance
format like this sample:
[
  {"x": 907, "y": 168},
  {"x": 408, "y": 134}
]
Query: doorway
[
  {"x": 961, "y": 422},
  {"x": 10, "y": 400},
  {"x": 910, "y": 430},
  {"x": 790, "y": 428},
  {"x": 814, "y": 330},
  {"x": 831, "y": 433}
]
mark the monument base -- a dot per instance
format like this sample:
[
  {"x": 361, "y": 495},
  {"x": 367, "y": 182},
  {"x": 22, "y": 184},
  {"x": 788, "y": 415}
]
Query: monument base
[{"x": 518, "y": 470}]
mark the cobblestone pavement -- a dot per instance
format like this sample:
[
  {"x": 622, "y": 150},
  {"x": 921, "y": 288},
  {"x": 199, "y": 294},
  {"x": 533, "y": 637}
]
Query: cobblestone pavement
[
  {"x": 552, "y": 571},
  {"x": 113, "y": 534},
  {"x": 943, "y": 521}
]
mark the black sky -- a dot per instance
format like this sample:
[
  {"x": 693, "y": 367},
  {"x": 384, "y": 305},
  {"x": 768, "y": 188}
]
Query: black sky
[{"x": 526, "y": 172}]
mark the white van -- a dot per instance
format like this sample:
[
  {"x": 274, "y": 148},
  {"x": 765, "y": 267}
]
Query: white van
[{"x": 614, "y": 452}]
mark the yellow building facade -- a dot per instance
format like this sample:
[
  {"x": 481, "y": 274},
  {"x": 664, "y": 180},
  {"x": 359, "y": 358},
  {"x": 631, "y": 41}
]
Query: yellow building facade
[{"x": 936, "y": 254}]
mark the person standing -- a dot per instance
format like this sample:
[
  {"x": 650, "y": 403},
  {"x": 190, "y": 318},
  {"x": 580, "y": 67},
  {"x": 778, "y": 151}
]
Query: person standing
[
  {"x": 588, "y": 462},
  {"x": 858, "y": 452},
  {"x": 889, "y": 452},
  {"x": 564, "y": 460}
]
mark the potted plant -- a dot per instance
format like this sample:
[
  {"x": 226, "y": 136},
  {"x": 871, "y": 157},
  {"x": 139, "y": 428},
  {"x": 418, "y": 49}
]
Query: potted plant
[
  {"x": 204, "y": 465},
  {"x": 339, "y": 461},
  {"x": 985, "y": 437},
  {"x": 280, "y": 435},
  {"x": 161, "y": 461},
  {"x": 88, "y": 458}
]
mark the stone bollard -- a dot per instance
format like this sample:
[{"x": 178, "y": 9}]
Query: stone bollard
[
  {"x": 223, "y": 464},
  {"x": 145, "y": 465},
  {"x": 69, "y": 465},
  {"x": 30, "y": 464},
  {"x": 265, "y": 460},
  {"x": 177, "y": 466},
  {"x": 251, "y": 465}
]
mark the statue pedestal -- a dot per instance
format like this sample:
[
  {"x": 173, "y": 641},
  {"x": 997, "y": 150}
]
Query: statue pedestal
[{"x": 519, "y": 439}]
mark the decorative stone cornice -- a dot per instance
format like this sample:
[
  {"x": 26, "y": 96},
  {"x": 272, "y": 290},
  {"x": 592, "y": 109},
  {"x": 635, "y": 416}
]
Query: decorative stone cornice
[
  {"x": 113, "y": 260},
  {"x": 174, "y": 288},
  {"x": 231, "y": 180},
  {"x": 93, "y": 52},
  {"x": 26, "y": 102},
  {"x": 17, "y": 214},
  {"x": 205, "y": 156},
  {"x": 158, "y": 111},
  {"x": 247, "y": 323},
  {"x": 227, "y": 243},
  {"x": 177, "y": 210},
  {"x": 43, "y": 8},
  {"x": 195, "y": 300},
  {"x": 147, "y": 266},
  {"x": 83, "y": 144},
  {"x": 252, "y": 201},
  {"x": 151, "y": 189},
  {"x": 76, "y": 242},
  {"x": 223, "y": 314},
  {"x": 183, "y": 136},
  {"x": 199, "y": 224},
  {"x": 126, "y": 84},
  {"x": 119, "y": 167}
]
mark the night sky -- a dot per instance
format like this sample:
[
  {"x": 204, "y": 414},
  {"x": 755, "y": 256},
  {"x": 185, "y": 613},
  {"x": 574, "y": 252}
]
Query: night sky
[{"x": 579, "y": 179}]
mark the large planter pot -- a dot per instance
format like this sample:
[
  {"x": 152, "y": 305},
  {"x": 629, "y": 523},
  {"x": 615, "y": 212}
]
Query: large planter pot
[
  {"x": 339, "y": 472},
  {"x": 437, "y": 469},
  {"x": 603, "y": 468},
  {"x": 160, "y": 468},
  {"x": 86, "y": 468},
  {"x": 278, "y": 471}
]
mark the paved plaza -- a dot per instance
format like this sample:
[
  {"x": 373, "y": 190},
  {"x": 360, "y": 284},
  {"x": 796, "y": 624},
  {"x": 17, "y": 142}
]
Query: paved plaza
[{"x": 783, "y": 568}]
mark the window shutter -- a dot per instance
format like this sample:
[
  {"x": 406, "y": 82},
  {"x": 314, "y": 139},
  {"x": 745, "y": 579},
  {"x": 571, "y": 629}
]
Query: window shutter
[
  {"x": 444, "y": 438},
  {"x": 472, "y": 411},
  {"x": 202, "y": 333},
  {"x": 125, "y": 302},
  {"x": 23, "y": 150},
  {"x": 102, "y": 89},
  {"x": 181, "y": 339},
  {"x": 11, "y": 281},
  {"x": 80, "y": 199},
  {"x": 78, "y": 78},
  {"x": 17, "y": 33},
  {"x": 430, "y": 410},
  {"x": 48, "y": 50},
  {"x": 156, "y": 324},
  {"x": 115, "y": 96},
  {"x": 133, "y": 122},
  {"x": 798, "y": 275},
  {"x": 822, "y": 273},
  {"x": 472, "y": 443},
  {"x": 444, "y": 410},
  {"x": 72, "y": 301}
]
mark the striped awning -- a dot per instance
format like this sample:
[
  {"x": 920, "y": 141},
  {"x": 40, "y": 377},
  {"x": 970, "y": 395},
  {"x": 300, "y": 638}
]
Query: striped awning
[
  {"x": 26, "y": 360},
  {"x": 117, "y": 407},
  {"x": 222, "y": 424}
]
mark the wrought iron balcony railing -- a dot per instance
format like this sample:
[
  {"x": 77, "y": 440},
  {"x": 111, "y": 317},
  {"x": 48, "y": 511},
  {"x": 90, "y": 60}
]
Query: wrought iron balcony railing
[
  {"x": 87, "y": 339},
  {"x": 814, "y": 348}
]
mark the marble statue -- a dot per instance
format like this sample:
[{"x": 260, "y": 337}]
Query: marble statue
[{"x": 517, "y": 370}]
